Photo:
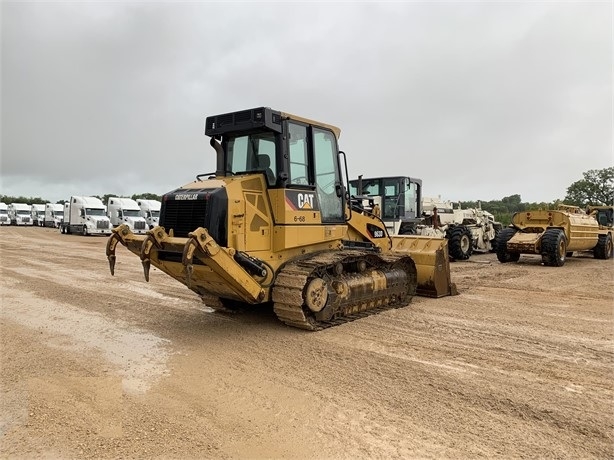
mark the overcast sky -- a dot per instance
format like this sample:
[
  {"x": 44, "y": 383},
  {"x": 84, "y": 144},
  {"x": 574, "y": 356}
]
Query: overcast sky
[{"x": 480, "y": 100}]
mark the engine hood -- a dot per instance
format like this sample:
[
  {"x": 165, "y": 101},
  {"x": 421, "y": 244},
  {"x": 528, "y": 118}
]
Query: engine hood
[{"x": 187, "y": 208}]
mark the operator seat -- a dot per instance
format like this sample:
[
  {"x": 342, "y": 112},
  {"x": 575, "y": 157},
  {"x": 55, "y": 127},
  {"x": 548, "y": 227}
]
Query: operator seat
[{"x": 264, "y": 164}]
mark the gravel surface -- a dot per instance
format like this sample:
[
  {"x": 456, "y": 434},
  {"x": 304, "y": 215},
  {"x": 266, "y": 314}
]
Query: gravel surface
[{"x": 520, "y": 364}]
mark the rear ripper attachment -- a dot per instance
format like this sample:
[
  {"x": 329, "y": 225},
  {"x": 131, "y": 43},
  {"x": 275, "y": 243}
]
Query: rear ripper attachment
[{"x": 197, "y": 261}]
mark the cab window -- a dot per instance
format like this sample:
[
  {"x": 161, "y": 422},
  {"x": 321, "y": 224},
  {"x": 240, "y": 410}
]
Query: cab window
[
  {"x": 299, "y": 173},
  {"x": 392, "y": 199},
  {"x": 327, "y": 175},
  {"x": 253, "y": 152}
]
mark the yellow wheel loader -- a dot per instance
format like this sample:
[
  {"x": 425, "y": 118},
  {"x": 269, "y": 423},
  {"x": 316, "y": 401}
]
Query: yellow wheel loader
[{"x": 274, "y": 224}]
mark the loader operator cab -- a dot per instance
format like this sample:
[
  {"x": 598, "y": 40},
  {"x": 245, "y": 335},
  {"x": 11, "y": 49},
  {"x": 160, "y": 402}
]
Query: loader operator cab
[
  {"x": 400, "y": 196},
  {"x": 291, "y": 152}
]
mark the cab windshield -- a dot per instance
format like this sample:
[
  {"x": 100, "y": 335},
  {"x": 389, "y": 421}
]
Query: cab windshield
[
  {"x": 155, "y": 213},
  {"x": 131, "y": 213},
  {"x": 94, "y": 212}
]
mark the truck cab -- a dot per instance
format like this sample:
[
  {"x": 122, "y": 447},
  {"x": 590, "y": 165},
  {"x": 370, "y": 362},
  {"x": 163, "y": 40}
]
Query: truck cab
[
  {"x": 37, "y": 211},
  {"x": 4, "y": 214},
  {"x": 150, "y": 211},
  {"x": 54, "y": 215},
  {"x": 19, "y": 214},
  {"x": 85, "y": 215},
  {"x": 126, "y": 211}
]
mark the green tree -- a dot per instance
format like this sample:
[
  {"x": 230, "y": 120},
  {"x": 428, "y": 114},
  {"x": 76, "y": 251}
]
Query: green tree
[
  {"x": 513, "y": 201},
  {"x": 597, "y": 188},
  {"x": 105, "y": 198},
  {"x": 146, "y": 196},
  {"x": 22, "y": 199}
]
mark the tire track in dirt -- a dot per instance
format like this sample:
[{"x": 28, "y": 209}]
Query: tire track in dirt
[{"x": 518, "y": 365}]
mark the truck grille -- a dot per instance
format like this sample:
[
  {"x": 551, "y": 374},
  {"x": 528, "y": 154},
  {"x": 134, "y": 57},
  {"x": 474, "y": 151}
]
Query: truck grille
[
  {"x": 183, "y": 216},
  {"x": 3, "y": 219},
  {"x": 139, "y": 225},
  {"x": 25, "y": 219},
  {"x": 102, "y": 224}
]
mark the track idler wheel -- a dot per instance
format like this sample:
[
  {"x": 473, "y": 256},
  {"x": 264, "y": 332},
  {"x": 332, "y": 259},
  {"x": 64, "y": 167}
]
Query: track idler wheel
[{"x": 316, "y": 294}]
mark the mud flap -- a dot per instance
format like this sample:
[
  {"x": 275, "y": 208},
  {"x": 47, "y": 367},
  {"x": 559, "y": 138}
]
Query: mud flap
[{"x": 432, "y": 264}]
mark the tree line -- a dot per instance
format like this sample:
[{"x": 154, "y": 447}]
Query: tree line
[{"x": 595, "y": 188}]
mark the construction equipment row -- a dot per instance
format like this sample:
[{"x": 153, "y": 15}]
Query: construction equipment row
[{"x": 275, "y": 224}]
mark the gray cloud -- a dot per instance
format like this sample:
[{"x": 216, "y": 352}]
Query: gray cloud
[{"x": 479, "y": 100}]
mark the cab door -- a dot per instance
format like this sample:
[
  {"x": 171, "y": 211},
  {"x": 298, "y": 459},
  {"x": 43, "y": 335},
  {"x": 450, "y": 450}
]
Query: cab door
[{"x": 327, "y": 175}]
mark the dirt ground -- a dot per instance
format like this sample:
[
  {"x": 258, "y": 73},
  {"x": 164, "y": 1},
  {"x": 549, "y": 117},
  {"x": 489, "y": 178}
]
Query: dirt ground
[{"x": 520, "y": 364}]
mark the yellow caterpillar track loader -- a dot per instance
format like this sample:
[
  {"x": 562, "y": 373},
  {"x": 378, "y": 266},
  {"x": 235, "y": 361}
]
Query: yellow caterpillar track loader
[{"x": 274, "y": 224}]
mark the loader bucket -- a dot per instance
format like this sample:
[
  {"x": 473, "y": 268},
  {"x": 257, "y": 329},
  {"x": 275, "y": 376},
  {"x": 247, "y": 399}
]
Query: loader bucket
[{"x": 432, "y": 264}]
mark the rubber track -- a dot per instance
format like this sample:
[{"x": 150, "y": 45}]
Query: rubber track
[{"x": 291, "y": 280}]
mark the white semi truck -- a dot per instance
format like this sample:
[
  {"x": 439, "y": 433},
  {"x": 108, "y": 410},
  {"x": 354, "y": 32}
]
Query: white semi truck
[
  {"x": 54, "y": 215},
  {"x": 4, "y": 214},
  {"x": 150, "y": 210},
  {"x": 126, "y": 211},
  {"x": 37, "y": 211},
  {"x": 19, "y": 214},
  {"x": 85, "y": 215}
]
